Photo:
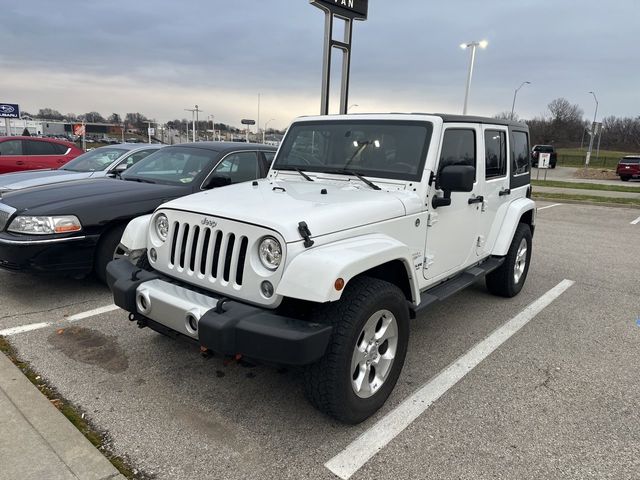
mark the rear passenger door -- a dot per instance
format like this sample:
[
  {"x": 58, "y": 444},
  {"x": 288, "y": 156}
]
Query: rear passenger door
[
  {"x": 11, "y": 156},
  {"x": 41, "y": 154},
  {"x": 496, "y": 192}
]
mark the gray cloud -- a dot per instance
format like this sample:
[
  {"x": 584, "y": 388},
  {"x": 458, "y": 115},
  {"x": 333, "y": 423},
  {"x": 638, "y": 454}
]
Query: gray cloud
[{"x": 160, "y": 57}]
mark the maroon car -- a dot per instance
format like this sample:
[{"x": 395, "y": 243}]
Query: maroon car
[
  {"x": 628, "y": 167},
  {"x": 30, "y": 153}
]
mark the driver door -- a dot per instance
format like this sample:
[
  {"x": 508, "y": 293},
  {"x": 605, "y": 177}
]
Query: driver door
[{"x": 452, "y": 232}]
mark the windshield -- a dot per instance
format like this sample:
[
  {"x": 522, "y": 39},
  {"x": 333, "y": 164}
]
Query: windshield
[
  {"x": 95, "y": 160},
  {"x": 172, "y": 166},
  {"x": 376, "y": 148},
  {"x": 630, "y": 160},
  {"x": 543, "y": 149}
]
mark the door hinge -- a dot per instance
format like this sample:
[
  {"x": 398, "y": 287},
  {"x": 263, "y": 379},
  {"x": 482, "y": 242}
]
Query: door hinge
[
  {"x": 428, "y": 261},
  {"x": 432, "y": 219},
  {"x": 481, "y": 241}
]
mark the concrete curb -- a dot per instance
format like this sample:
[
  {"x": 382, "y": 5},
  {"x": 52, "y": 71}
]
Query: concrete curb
[{"x": 37, "y": 441}]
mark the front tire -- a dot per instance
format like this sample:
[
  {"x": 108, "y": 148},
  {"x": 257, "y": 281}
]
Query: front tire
[
  {"x": 624, "y": 178},
  {"x": 508, "y": 280},
  {"x": 366, "y": 353},
  {"x": 106, "y": 251}
]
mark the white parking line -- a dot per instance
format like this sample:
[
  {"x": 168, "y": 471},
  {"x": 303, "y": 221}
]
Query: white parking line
[
  {"x": 361, "y": 450},
  {"x": 550, "y": 206},
  {"x": 636, "y": 221},
  {"x": 92, "y": 313},
  {"x": 72, "y": 318}
]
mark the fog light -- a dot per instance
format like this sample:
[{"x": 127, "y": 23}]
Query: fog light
[
  {"x": 153, "y": 255},
  {"x": 267, "y": 289}
]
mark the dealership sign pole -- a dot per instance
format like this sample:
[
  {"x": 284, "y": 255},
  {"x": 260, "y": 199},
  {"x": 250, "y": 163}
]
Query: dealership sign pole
[
  {"x": 347, "y": 10},
  {"x": 9, "y": 111}
]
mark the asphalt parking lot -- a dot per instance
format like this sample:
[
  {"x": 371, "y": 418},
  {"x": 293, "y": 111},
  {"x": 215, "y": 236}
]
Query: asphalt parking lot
[{"x": 558, "y": 399}]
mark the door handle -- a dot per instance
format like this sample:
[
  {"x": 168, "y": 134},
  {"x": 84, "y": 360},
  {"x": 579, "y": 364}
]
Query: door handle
[
  {"x": 506, "y": 191},
  {"x": 478, "y": 199},
  {"x": 19, "y": 162}
]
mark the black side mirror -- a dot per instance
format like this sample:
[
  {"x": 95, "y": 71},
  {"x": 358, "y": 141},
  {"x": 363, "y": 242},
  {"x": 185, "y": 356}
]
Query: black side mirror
[
  {"x": 453, "y": 178},
  {"x": 217, "y": 180}
]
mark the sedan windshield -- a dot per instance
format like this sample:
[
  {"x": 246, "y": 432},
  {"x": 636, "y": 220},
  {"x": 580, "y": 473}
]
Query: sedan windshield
[
  {"x": 376, "y": 148},
  {"x": 172, "y": 166},
  {"x": 95, "y": 160}
]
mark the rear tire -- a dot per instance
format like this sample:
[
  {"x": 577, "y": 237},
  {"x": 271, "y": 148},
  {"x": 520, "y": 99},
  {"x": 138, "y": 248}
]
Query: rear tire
[
  {"x": 508, "y": 280},
  {"x": 106, "y": 250},
  {"x": 624, "y": 178},
  {"x": 366, "y": 352}
]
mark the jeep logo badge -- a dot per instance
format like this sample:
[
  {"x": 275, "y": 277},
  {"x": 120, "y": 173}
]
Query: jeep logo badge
[{"x": 208, "y": 223}]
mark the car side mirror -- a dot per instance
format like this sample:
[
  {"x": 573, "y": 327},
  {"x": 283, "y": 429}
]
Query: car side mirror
[
  {"x": 217, "y": 180},
  {"x": 118, "y": 169},
  {"x": 453, "y": 178}
]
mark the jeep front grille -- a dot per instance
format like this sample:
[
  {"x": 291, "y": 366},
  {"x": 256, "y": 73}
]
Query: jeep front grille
[{"x": 209, "y": 253}]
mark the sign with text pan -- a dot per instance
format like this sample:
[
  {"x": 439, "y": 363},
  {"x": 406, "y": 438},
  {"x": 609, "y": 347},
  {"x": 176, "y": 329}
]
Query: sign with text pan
[
  {"x": 248, "y": 122},
  {"x": 9, "y": 110},
  {"x": 356, "y": 9}
]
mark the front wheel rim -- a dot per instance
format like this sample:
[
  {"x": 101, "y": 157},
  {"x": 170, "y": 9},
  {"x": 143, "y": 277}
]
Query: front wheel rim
[
  {"x": 374, "y": 353},
  {"x": 521, "y": 261}
]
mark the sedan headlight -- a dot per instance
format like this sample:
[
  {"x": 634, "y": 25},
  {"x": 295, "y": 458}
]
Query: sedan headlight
[
  {"x": 162, "y": 226},
  {"x": 45, "y": 225},
  {"x": 270, "y": 252}
]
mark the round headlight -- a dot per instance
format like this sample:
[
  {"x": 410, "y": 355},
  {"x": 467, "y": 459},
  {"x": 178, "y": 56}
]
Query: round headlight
[
  {"x": 162, "y": 226},
  {"x": 270, "y": 253}
]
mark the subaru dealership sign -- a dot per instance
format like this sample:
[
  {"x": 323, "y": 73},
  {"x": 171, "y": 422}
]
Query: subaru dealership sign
[{"x": 9, "y": 110}]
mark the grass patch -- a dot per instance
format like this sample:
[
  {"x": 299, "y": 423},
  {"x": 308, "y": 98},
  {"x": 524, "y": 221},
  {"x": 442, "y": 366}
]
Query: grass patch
[
  {"x": 630, "y": 202},
  {"x": 583, "y": 152},
  {"x": 70, "y": 411},
  {"x": 585, "y": 186}
]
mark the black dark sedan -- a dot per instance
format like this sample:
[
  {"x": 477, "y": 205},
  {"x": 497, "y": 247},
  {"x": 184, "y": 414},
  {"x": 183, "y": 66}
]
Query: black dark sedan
[{"x": 74, "y": 228}]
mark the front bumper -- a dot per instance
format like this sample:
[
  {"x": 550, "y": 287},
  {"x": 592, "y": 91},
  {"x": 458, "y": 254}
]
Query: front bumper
[
  {"x": 66, "y": 255},
  {"x": 221, "y": 325}
]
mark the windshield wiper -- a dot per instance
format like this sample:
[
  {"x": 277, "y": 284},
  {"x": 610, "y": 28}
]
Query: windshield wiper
[
  {"x": 360, "y": 176},
  {"x": 137, "y": 179},
  {"x": 299, "y": 170}
]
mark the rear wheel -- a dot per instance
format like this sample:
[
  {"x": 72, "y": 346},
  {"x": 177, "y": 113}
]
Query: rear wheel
[
  {"x": 508, "y": 280},
  {"x": 107, "y": 250},
  {"x": 625, "y": 178},
  {"x": 366, "y": 353}
]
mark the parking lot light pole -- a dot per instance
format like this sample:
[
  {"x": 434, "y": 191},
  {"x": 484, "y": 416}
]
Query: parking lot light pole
[
  {"x": 213, "y": 127},
  {"x": 473, "y": 46},
  {"x": 593, "y": 127},
  {"x": 264, "y": 132},
  {"x": 515, "y": 94}
]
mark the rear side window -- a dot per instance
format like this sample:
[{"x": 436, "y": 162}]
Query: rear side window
[
  {"x": 240, "y": 167},
  {"x": 59, "y": 148},
  {"x": 458, "y": 148},
  {"x": 11, "y": 147},
  {"x": 520, "y": 153},
  {"x": 495, "y": 153},
  {"x": 40, "y": 148},
  {"x": 268, "y": 160}
]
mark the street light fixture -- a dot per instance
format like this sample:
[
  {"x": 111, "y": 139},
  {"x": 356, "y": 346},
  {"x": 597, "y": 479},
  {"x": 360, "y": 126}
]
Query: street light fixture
[
  {"x": 473, "y": 46},
  {"x": 515, "y": 94},
  {"x": 264, "y": 132},
  {"x": 593, "y": 131},
  {"x": 351, "y": 106}
]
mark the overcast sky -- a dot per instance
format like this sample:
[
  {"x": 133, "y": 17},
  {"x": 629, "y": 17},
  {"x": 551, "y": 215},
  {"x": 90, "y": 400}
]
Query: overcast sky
[{"x": 160, "y": 57}]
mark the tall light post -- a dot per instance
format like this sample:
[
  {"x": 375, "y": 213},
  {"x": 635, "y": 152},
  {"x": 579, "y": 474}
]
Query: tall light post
[
  {"x": 515, "y": 94},
  {"x": 473, "y": 46},
  {"x": 213, "y": 127},
  {"x": 264, "y": 132},
  {"x": 194, "y": 118},
  {"x": 593, "y": 127}
]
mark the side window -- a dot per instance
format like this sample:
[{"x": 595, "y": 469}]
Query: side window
[
  {"x": 40, "y": 148},
  {"x": 458, "y": 148},
  {"x": 268, "y": 160},
  {"x": 59, "y": 148},
  {"x": 240, "y": 167},
  {"x": 495, "y": 142},
  {"x": 11, "y": 147},
  {"x": 521, "y": 162}
]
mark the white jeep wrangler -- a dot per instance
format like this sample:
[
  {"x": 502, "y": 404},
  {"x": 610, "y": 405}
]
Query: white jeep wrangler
[{"x": 363, "y": 222}]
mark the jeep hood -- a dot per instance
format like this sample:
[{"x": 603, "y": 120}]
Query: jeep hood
[{"x": 281, "y": 205}]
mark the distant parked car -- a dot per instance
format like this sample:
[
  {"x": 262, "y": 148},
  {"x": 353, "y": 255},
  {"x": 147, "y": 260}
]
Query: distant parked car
[
  {"x": 538, "y": 149},
  {"x": 97, "y": 163},
  {"x": 29, "y": 153},
  {"x": 628, "y": 167}
]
